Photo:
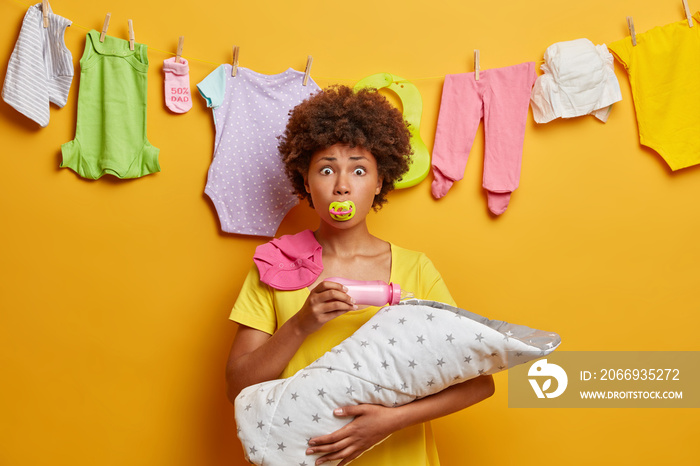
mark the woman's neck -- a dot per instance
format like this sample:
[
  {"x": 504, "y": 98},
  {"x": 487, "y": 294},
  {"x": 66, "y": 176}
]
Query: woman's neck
[{"x": 345, "y": 241}]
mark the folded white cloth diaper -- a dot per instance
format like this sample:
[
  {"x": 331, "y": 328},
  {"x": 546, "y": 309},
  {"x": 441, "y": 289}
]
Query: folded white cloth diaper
[{"x": 579, "y": 79}]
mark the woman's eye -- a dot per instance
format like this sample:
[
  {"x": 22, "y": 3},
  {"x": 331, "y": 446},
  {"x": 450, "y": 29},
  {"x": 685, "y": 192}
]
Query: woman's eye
[
  {"x": 360, "y": 171},
  {"x": 326, "y": 171}
]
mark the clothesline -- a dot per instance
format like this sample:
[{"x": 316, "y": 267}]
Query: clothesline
[{"x": 190, "y": 58}]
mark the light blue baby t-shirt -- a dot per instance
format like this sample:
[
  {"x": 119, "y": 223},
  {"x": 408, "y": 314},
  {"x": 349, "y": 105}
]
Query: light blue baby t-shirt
[{"x": 246, "y": 180}]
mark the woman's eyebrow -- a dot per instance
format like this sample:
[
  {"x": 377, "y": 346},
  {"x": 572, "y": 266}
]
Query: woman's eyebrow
[{"x": 330, "y": 158}]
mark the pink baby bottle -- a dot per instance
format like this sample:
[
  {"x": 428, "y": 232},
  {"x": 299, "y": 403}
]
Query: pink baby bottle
[{"x": 372, "y": 293}]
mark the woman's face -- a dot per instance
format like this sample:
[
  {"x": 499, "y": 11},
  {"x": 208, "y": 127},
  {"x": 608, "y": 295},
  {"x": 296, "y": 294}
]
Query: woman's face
[{"x": 342, "y": 173}]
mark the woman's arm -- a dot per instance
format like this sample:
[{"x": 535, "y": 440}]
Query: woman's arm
[
  {"x": 257, "y": 356},
  {"x": 373, "y": 423}
]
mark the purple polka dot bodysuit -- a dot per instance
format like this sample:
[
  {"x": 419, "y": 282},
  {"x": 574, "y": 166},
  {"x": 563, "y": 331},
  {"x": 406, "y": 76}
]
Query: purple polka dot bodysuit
[{"x": 246, "y": 180}]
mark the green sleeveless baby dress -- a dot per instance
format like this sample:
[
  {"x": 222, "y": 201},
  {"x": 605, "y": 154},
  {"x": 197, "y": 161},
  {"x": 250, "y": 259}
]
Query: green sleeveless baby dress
[{"x": 110, "y": 135}]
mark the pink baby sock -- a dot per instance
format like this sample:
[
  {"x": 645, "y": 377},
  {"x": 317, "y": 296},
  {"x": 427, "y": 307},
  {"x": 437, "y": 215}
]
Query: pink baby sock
[{"x": 177, "y": 85}]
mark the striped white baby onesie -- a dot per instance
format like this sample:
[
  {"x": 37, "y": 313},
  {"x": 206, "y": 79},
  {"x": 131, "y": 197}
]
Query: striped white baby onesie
[{"x": 40, "y": 69}]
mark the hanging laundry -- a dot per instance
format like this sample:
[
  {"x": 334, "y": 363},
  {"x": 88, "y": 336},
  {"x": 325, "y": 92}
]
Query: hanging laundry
[
  {"x": 40, "y": 69},
  {"x": 501, "y": 97},
  {"x": 177, "y": 85},
  {"x": 110, "y": 135},
  {"x": 579, "y": 79},
  {"x": 663, "y": 70},
  {"x": 246, "y": 180}
]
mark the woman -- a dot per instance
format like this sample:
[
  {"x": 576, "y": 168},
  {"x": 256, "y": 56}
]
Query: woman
[{"x": 341, "y": 148}]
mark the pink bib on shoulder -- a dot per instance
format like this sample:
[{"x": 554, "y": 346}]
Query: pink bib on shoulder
[{"x": 290, "y": 262}]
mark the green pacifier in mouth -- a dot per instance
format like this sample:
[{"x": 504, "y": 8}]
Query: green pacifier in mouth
[{"x": 342, "y": 211}]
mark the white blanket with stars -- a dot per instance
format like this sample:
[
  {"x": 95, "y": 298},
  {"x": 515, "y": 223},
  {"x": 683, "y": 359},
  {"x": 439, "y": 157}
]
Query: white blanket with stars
[{"x": 403, "y": 353}]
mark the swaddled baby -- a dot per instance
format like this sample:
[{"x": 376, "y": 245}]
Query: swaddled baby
[{"x": 404, "y": 352}]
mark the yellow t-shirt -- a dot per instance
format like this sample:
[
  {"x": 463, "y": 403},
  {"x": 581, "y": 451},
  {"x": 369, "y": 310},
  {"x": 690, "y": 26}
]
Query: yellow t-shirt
[{"x": 264, "y": 308}]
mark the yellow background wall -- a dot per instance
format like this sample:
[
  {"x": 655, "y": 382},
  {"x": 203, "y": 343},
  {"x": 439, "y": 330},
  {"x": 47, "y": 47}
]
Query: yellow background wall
[{"x": 114, "y": 295}]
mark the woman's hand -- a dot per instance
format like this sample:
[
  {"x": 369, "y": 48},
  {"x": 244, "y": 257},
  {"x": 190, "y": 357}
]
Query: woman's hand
[
  {"x": 326, "y": 301},
  {"x": 257, "y": 356},
  {"x": 372, "y": 424}
]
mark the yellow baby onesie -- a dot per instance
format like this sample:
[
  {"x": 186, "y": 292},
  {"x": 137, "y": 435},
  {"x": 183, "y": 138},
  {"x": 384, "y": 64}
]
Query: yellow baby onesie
[{"x": 663, "y": 70}]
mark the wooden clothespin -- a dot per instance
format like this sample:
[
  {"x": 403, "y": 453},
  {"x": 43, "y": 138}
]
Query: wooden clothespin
[
  {"x": 688, "y": 16},
  {"x": 45, "y": 12},
  {"x": 307, "y": 72},
  {"x": 180, "y": 43},
  {"x": 630, "y": 25},
  {"x": 234, "y": 67},
  {"x": 476, "y": 64},
  {"x": 104, "y": 27},
  {"x": 131, "y": 34}
]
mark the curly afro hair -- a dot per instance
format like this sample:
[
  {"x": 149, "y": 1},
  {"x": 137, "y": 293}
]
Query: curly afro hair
[{"x": 340, "y": 115}]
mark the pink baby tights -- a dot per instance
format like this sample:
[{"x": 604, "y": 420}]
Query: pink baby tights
[{"x": 501, "y": 97}]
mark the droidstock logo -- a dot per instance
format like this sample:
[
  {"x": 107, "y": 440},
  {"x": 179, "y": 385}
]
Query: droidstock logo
[{"x": 542, "y": 369}]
